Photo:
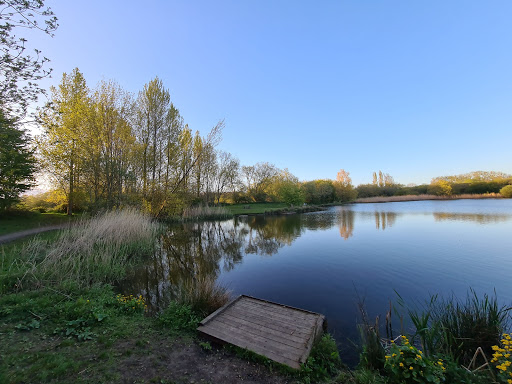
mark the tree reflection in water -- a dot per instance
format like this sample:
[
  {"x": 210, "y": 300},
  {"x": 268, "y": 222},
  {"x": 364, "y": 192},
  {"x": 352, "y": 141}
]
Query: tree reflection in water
[{"x": 188, "y": 252}]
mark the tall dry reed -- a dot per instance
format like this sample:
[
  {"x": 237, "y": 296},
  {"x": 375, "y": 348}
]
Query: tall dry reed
[
  {"x": 94, "y": 250},
  {"x": 388, "y": 199},
  {"x": 204, "y": 295},
  {"x": 206, "y": 213}
]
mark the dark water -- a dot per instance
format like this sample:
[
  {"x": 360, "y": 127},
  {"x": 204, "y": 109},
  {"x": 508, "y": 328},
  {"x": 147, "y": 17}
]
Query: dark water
[{"x": 324, "y": 261}]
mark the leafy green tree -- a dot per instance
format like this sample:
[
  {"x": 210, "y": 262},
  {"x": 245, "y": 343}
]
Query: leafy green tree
[
  {"x": 290, "y": 193},
  {"x": 343, "y": 186},
  {"x": 17, "y": 163},
  {"x": 440, "y": 188},
  {"x": 506, "y": 191},
  {"x": 65, "y": 119},
  {"x": 19, "y": 70}
]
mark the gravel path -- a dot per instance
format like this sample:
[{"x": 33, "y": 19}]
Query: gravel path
[{"x": 34, "y": 231}]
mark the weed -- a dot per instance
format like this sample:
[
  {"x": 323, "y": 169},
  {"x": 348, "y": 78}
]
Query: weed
[
  {"x": 179, "y": 317},
  {"x": 324, "y": 361},
  {"x": 204, "y": 295},
  {"x": 205, "y": 346}
]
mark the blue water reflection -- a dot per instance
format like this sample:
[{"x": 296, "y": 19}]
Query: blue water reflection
[{"x": 321, "y": 261}]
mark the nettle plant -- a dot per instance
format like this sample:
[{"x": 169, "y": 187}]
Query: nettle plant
[
  {"x": 502, "y": 358},
  {"x": 407, "y": 364}
]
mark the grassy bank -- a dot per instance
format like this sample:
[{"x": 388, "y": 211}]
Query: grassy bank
[
  {"x": 388, "y": 199},
  {"x": 270, "y": 209},
  {"x": 16, "y": 221},
  {"x": 61, "y": 320}
]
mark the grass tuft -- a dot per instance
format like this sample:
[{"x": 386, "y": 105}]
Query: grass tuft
[
  {"x": 204, "y": 295},
  {"x": 95, "y": 250}
]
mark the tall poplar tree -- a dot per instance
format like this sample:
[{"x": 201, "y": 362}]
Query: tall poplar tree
[{"x": 64, "y": 120}]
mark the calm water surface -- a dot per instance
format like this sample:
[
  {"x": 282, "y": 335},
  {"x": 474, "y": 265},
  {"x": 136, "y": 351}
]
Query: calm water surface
[{"x": 323, "y": 261}]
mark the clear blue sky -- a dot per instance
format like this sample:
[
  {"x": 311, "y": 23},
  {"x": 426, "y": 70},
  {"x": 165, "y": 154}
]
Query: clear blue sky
[{"x": 417, "y": 89}]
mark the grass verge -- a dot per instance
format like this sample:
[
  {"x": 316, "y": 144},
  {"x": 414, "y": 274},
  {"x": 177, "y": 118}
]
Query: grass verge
[{"x": 16, "y": 221}]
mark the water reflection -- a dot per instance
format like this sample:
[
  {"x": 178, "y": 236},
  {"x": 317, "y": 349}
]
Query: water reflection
[
  {"x": 479, "y": 218},
  {"x": 190, "y": 251},
  {"x": 346, "y": 223}
]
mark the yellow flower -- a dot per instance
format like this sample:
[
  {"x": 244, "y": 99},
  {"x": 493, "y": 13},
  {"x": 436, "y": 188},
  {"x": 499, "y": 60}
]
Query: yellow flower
[
  {"x": 411, "y": 368},
  {"x": 401, "y": 364}
]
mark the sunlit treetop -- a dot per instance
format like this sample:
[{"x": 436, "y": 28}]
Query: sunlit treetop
[{"x": 20, "y": 69}]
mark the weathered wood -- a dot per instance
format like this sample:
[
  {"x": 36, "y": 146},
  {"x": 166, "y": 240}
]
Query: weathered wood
[
  {"x": 278, "y": 337},
  {"x": 246, "y": 344},
  {"x": 290, "y": 329},
  {"x": 303, "y": 321},
  {"x": 281, "y": 333},
  {"x": 220, "y": 310}
]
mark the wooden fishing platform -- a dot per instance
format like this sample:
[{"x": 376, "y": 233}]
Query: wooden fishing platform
[{"x": 281, "y": 333}]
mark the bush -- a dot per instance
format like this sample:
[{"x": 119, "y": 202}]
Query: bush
[
  {"x": 506, "y": 191},
  {"x": 407, "y": 364},
  {"x": 502, "y": 358},
  {"x": 323, "y": 362},
  {"x": 179, "y": 317}
]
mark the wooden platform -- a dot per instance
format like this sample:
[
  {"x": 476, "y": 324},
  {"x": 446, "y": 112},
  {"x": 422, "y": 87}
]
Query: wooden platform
[{"x": 279, "y": 332}]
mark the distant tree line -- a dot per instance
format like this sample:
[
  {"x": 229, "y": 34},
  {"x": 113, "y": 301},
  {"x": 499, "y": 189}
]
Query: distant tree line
[{"x": 478, "y": 182}]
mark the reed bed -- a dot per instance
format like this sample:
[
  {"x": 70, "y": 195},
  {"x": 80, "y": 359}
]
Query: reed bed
[
  {"x": 206, "y": 213},
  {"x": 94, "y": 250},
  {"x": 204, "y": 295},
  {"x": 388, "y": 199}
]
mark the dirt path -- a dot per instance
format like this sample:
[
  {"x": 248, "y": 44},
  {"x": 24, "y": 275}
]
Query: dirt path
[{"x": 34, "y": 231}]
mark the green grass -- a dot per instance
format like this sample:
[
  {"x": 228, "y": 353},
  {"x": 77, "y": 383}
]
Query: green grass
[
  {"x": 254, "y": 208},
  {"x": 72, "y": 335},
  {"x": 96, "y": 250},
  {"x": 21, "y": 220}
]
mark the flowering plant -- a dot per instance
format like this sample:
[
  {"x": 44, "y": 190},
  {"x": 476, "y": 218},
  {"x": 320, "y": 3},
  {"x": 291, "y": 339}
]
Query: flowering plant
[
  {"x": 406, "y": 364},
  {"x": 132, "y": 303},
  {"x": 502, "y": 358}
]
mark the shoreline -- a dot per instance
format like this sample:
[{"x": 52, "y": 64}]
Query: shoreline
[{"x": 393, "y": 199}]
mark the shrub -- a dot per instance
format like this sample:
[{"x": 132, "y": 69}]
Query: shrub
[
  {"x": 323, "y": 362},
  {"x": 179, "y": 317},
  {"x": 407, "y": 364},
  {"x": 502, "y": 358},
  {"x": 506, "y": 191}
]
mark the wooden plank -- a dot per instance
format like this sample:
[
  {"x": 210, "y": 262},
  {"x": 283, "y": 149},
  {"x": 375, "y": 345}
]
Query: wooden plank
[
  {"x": 288, "y": 332},
  {"x": 280, "y": 305},
  {"x": 256, "y": 339},
  {"x": 279, "y": 337},
  {"x": 262, "y": 341},
  {"x": 278, "y": 308},
  {"x": 243, "y": 343},
  {"x": 277, "y": 324},
  {"x": 282, "y": 333},
  {"x": 284, "y": 318},
  {"x": 254, "y": 343},
  {"x": 233, "y": 336},
  {"x": 314, "y": 337},
  {"x": 220, "y": 310},
  {"x": 305, "y": 317}
]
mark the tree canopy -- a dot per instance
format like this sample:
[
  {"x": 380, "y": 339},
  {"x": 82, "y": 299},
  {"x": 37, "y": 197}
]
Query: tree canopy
[
  {"x": 19, "y": 69},
  {"x": 17, "y": 163}
]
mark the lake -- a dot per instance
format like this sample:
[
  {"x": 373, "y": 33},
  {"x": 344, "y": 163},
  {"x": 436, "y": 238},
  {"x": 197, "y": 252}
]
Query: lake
[{"x": 328, "y": 261}]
